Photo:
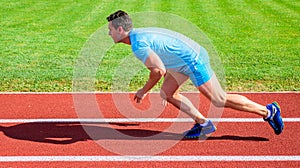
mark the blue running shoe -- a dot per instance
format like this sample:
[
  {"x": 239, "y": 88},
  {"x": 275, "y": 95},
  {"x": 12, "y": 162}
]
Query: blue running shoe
[
  {"x": 275, "y": 120},
  {"x": 199, "y": 130}
]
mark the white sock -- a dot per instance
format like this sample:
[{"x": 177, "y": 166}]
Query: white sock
[
  {"x": 204, "y": 124},
  {"x": 269, "y": 114}
]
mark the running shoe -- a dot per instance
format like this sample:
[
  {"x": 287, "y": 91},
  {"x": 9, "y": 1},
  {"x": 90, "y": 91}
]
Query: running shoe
[
  {"x": 199, "y": 130},
  {"x": 275, "y": 120}
]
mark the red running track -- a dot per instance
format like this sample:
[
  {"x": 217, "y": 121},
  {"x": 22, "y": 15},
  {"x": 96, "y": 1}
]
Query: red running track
[{"x": 59, "y": 142}]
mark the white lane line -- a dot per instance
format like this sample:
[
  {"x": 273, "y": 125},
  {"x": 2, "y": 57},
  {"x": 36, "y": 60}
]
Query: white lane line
[
  {"x": 114, "y": 120},
  {"x": 145, "y": 158}
]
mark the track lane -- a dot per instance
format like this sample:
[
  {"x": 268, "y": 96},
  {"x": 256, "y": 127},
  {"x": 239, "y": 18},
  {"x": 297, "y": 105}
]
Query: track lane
[
  {"x": 69, "y": 139},
  {"x": 66, "y": 139},
  {"x": 61, "y": 105},
  {"x": 151, "y": 164}
]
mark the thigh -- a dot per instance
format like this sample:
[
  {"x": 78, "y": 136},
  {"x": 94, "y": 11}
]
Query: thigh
[
  {"x": 172, "y": 82},
  {"x": 213, "y": 90}
]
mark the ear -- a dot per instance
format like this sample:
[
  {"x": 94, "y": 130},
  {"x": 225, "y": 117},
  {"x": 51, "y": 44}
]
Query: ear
[{"x": 120, "y": 29}]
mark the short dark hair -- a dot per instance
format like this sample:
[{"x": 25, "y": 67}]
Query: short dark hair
[{"x": 120, "y": 18}]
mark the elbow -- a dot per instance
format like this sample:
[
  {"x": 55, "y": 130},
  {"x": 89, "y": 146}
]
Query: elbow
[
  {"x": 160, "y": 71},
  {"x": 163, "y": 72},
  {"x": 157, "y": 73}
]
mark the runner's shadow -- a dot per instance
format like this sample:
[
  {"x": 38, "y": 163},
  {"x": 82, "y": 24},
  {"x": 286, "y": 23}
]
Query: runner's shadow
[
  {"x": 56, "y": 133},
  {"x": 237, "y": 138},
  {"x": 68, "y": 133}
]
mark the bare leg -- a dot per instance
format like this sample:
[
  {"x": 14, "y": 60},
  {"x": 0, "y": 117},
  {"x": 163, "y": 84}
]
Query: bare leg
[
  {"x": 242, "y": 103},
  {"x": 169, "y": 92},
  {"x": 213, "y": 90}
]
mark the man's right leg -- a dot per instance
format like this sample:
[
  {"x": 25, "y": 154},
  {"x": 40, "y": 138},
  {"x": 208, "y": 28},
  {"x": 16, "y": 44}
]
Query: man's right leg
[
  {"x": 213, "y": 91},
  {"x": 271, "y": 113}
]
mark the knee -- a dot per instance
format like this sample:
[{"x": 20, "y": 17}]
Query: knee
[
  {"x": 219, "y": 101},
  {"x": 165, "y": 95}
]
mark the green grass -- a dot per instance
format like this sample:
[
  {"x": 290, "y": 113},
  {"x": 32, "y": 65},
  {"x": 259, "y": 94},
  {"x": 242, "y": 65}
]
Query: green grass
[{"x": 257, "y": 41}]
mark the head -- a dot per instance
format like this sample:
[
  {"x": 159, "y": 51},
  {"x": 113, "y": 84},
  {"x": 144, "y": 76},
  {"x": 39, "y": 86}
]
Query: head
[{"x": 119, "y": 25}]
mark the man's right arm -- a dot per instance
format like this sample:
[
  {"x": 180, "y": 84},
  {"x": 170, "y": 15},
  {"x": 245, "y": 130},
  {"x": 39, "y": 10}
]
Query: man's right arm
[{"x": 157, "y": 71}]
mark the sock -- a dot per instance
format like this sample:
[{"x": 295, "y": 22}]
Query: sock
[
  {"x": 269, "y": 114},
  {"x": 204, "y": 124}
]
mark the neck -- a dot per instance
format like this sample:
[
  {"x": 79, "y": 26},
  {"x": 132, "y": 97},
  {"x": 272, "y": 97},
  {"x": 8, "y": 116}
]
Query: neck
[{"x": 126, "y": 40}]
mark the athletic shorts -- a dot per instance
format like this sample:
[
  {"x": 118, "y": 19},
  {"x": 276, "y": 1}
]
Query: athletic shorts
[{"x": 198, "y": 71}]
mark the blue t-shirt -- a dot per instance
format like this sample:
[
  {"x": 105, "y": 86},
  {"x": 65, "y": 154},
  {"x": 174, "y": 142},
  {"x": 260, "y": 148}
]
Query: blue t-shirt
[{"x": 174, "y": 49}]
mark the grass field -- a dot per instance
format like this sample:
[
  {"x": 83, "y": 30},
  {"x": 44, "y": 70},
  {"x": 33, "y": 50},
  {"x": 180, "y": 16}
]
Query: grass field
[{"x": 257, "y": 40}]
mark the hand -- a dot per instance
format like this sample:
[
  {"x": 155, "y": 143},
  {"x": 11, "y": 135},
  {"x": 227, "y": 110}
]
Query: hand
[
  {"x": 139, "y": 96},
  {"x": 165, "y": 103}
]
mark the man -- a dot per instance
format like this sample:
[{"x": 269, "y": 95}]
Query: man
[{"x": 177, "y": 58}]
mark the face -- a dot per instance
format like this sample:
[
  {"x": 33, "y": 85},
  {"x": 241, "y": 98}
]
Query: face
[{"x": 114, "y": 33}]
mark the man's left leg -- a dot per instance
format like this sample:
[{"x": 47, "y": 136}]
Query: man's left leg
[{"x": 169, "y": 92}]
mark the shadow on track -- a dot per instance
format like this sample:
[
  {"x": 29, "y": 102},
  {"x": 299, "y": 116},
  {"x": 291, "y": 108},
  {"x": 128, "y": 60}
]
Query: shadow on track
[
  {"x": 237, "y": 138},
  {"x": 68, "y": 133}
]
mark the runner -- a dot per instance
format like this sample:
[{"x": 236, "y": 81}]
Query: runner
[{"x": 177, "y": 58}]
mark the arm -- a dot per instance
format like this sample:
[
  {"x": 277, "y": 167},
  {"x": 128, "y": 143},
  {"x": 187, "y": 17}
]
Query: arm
[{"x": 157, "y": 71}]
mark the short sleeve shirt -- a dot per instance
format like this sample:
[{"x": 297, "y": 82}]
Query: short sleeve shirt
[{"x": 174, "y": 49}]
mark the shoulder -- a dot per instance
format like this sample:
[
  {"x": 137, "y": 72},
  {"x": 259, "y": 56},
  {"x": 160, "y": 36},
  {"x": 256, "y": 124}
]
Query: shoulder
[
  {"x": 156, "y": 34},
  {"x": 139, "y": 38},
  {"x": 149, "y": 35}
]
